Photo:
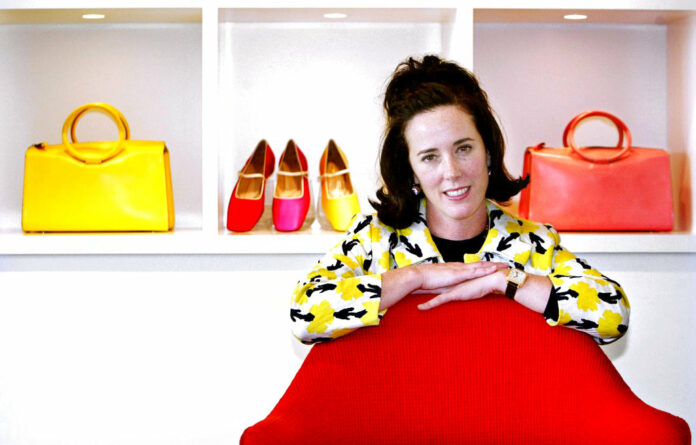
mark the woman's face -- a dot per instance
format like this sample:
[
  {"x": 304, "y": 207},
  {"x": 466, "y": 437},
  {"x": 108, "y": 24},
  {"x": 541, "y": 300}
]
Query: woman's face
[{"x": 449, "y": 161}]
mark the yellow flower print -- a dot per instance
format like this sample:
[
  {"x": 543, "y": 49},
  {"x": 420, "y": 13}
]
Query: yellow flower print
[
  {"x": 563, "y": 256},
  {"x": 522, "y": 257},
  {"x": 347, "y": 261},
  {"x": 555, "y": 280},
  {"x": 360, "y": 259},
  {"x": 429, "y": 240},
  {"x": 401, "y": 260},
  {"x": 598, "y": 277},
  {"x": 542, "y": 261},
  {"x": 492, "y": 235},
  {"x": 609, "y": 324},
  {"x": 513, "y": 227},
  {"x": 301, "y": 292},
  {"x": 527, "y": 226},
  {"x": 375, "y": 233},
  {"x": 323, "y": 317},
  {"x": 372, "y": 308},
  {"x": 471, "y": 258},
  {"x": 587, "y": 296},
  {"x": 384, "y": 261},
  {"x": 405, "y": 232},
  {"x": 326, "y": 273},
  {"x": 340, "y": 332},
  {"x": 563, "y": 269},
  {"x": 563, "y": 318},
  {"x": 348, "y": 289}
]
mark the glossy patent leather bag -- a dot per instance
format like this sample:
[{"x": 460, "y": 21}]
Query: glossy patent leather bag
[
  {"x": 122, "y": 185},
  {"x": 622, "y": 188}
]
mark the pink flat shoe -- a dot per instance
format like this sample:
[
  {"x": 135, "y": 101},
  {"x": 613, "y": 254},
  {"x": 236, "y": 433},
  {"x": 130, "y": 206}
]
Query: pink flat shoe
[{"x": 291, "y": 196}]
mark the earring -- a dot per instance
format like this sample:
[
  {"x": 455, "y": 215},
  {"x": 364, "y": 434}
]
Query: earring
[{"x": 416, "y": 189}]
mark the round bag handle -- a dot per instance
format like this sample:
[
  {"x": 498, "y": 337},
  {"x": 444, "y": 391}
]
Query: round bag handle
[
  {"x": 96, "y": 158},
  {"x": 624, "y": 136}
]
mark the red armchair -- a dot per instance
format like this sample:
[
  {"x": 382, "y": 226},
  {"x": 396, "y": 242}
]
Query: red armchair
[{"x": 479, "y": 372}]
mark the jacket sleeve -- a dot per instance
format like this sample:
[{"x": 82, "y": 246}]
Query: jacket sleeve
[
  {"x": 587, "y": 300},
  {"x": 339, "y": 294}
]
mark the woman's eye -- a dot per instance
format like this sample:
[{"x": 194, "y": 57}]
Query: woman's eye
[
  {"x": 428, "y": 158},
  {"x": 464, "y": 148}
]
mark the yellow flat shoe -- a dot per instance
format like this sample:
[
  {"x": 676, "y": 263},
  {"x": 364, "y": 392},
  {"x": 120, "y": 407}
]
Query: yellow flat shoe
[{"x": 338, "y": 198}]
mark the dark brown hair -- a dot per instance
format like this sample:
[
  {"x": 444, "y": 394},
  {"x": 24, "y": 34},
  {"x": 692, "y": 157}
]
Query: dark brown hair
[{"x": 421, "y": 85}]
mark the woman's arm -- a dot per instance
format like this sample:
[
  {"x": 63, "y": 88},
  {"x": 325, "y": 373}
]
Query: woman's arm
[
  {"x": 534, "y": 294},
  {"x": 339, "y": 294},
  {"x": 585, "y": 299},
  {"x": 352, "y": 285}
]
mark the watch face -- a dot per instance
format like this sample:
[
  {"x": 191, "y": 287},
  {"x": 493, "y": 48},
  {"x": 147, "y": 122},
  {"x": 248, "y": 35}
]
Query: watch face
[{"x": 516, "y": 276}]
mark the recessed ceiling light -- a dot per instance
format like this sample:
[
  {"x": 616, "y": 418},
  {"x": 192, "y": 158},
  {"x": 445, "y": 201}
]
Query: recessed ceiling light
[
  {"x": 93, "y": 16},
  {"x": 575, "y": 17},
  {"x": 335, "y": 15}
]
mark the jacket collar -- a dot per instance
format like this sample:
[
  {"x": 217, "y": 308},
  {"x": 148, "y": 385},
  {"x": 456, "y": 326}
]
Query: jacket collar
[{"x": 414, "y": 244}]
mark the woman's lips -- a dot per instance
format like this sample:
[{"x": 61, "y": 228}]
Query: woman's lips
[{"x": 458, "y": 193}]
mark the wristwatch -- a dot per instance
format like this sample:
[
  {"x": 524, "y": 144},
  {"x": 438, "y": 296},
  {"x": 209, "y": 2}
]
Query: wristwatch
[{"x": 515, "y": 279}]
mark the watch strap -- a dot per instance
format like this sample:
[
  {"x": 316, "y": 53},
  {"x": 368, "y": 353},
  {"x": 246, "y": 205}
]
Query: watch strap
[{"x": 511, "y": 290}]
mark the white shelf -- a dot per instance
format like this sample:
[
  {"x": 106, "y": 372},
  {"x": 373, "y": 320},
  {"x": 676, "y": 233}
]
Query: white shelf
[
  {"x": 240, "y": 56},
  {"x": 177, "y": 242},
  {"x": 309, "y": 241}
]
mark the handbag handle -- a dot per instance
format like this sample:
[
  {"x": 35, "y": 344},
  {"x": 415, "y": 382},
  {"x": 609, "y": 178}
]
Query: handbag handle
[
  {"x": 624, "y": 136},
  {"x": 95, "y": 158}
]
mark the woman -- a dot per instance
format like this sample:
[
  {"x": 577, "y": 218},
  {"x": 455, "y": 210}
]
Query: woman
[{"x": 437, "y": 229}]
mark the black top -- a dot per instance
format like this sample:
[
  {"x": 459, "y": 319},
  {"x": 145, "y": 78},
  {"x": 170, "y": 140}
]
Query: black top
[{"x": 454, "y": 250}]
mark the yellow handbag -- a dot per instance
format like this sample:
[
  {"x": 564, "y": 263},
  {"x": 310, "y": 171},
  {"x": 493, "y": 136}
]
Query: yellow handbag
[{"x": 122, "y": 185}]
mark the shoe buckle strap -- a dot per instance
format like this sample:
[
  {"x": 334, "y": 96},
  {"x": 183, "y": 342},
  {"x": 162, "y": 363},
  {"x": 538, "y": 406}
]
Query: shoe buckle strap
[
  {"x": 251, "y": 175},
  {"x": 300, "y": 173},
  {"x": 334, "y": 174}
]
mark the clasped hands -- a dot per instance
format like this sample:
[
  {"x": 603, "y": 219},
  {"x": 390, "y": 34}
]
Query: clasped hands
[
  {"x": 450, "y": 281},
  {"x": 460, "y": 281}
]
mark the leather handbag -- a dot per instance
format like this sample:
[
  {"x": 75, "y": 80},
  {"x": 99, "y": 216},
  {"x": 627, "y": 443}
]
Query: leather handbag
[
  {"x": 622, "y": 188},
  {"x": 122, "y": 185}
]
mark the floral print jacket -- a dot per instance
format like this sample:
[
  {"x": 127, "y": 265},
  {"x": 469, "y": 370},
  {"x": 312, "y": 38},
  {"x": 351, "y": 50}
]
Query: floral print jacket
[{"x": 342, "y": 292}]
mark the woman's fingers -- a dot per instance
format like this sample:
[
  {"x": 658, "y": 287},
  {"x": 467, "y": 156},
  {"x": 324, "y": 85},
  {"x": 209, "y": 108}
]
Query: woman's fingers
[
  {"x": 469, "y": 290},
  {"x": 442, "y": 275}
]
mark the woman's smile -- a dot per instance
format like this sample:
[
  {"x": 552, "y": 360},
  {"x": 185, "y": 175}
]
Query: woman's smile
[{"x": 458, "y": 193}]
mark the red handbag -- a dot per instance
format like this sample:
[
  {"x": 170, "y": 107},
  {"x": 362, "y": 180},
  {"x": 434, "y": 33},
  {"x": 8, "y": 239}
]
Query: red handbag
[{"x": 620, "y": 188}]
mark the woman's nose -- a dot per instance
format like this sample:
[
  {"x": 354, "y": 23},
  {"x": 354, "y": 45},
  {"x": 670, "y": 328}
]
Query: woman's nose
[{"x": 451, "y": 167}]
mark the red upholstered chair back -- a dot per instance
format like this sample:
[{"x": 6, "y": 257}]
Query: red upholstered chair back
[{"x": 487, "y": 371}]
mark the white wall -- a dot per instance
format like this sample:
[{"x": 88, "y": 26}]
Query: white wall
[
  {"x": 681, "y": 114},
  {"x": 150, "y": 72},
  {"x": 153, "y": 354},
  {"x": 540, "y": 76},
  {"x": 311, "y": 82}
]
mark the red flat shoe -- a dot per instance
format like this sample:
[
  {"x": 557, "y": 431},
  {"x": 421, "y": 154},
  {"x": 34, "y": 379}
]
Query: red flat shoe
[
  {"x": 247, "y": 200},
  {"x": 291, "y": 196}
]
